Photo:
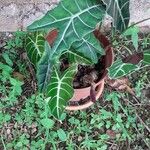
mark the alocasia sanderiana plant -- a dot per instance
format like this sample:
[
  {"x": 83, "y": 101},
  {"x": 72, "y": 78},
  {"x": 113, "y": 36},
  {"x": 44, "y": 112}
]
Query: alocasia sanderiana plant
[{"x": 75, "y": 21}]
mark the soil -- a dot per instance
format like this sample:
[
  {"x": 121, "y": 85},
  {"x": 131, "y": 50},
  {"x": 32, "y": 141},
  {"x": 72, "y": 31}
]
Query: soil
[{"x": 86, "y": 75}]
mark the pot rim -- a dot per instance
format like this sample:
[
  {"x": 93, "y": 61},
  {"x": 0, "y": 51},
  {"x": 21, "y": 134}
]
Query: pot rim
[{"x": 88, "y": 103}]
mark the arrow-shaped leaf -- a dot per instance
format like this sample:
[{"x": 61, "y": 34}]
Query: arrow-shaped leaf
[
  {"x": 74, "y": 19},
  {"x": 34, "y": 46},
  {"x": 60, "y": 90},
  {"x": 119, "y": 11}
]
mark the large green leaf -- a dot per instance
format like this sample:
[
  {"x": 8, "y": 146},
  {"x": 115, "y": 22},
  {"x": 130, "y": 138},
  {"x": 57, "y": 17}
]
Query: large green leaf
[
  {"x": 60, "y": 90},
  {"x": 34, "y": 46},
  {"x": 90, "y": 47},
  {"x": 73, "y": 19},
  {"x": 119, "y": 11}
]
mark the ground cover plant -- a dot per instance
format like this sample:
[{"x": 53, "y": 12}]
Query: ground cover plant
[{"x": 118, "y": 120}]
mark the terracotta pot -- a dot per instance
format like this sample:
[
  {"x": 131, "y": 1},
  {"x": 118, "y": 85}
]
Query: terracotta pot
[{"x": 99, "y": 86}]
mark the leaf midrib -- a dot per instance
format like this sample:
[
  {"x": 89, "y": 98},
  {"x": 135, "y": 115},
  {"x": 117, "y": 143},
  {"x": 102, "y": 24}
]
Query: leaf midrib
[
  {"x": 58, "y": 91},
  {"x": 63, "y": 34},
  {"x": 71, "y": 17}
]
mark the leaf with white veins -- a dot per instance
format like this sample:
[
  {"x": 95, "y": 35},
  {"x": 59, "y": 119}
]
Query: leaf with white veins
[
  {"x": 119, "y": 69},
  {"x": 73, "y": 19},
  {"x": 34, "y": 46},
  {"x": 77, "y": 57},
  {"x": 146, "y": 59},
  {"x": 60, "y": 90},
  {"x": 119, "y": 11}
]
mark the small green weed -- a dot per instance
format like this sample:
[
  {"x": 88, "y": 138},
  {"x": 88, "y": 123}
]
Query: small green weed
[
  {"x": 26, "y": 122},
  {"x": 17, "y": 41}
]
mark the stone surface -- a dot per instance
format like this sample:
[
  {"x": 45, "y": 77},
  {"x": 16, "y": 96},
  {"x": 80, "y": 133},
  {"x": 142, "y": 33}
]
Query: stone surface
[
  {"x": 140, "y": 10},
  {"x": 18, "y": 14},
  {"x": 15, "y": 15},
  {"x": 24, "y": 1}
]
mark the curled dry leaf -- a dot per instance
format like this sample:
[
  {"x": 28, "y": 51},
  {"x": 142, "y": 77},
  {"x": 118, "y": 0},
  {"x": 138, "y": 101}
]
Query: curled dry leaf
[
  {"x": 121, "y": 84},
  {"x": 111, "y": 133},
  {"x": 134, "y": 59},
  {"x": 87, "y": 79}
]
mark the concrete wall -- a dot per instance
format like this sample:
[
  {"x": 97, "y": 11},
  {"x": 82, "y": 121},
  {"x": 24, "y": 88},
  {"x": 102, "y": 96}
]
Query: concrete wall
[{"x": 18, "y": 14}]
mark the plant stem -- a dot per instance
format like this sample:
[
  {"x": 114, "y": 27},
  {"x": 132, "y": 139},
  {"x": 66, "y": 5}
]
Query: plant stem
[
  {"x": 3, "y": 143},
  {"x": 138, "y": 22},
  {"x": 143, "y": 138},
  {"x": 148, "y": 129}
]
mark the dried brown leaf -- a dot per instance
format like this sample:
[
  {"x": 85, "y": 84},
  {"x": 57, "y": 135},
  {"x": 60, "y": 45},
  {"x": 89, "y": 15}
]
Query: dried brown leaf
[
  {"x": 111, "y": 133},
  {"x": 134, "y": 59},
  {"x": 121, "y": 84},
  {"x": 18, "y": 75}
]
